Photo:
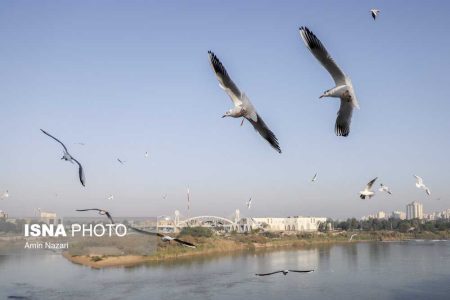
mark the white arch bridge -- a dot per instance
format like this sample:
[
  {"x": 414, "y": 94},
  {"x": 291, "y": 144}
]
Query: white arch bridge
[{"x": 209, "y": 221}]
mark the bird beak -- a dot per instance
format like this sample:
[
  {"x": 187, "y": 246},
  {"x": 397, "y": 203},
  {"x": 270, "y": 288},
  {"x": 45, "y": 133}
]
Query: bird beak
[
  {"x": 321, "y": 96},
  {"x": 224, "y": 116}
]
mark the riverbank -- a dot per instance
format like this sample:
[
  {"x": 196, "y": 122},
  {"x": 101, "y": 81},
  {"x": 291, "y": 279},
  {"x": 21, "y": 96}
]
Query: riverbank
[{"x": 242, "y": 242}]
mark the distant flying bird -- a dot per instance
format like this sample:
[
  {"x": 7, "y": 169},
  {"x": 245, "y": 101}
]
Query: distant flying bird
[
  {"x": 146, "y": 154},
  {"x": 344, "y": 88},
  {"x": 81, "y": 144},
  {"x": 164, "y": 196},
  {"x": 165, "y": 238},
  {"x": 285, "y": 272},
  {"x": 384, "y": 188},
  {"x": 249, "y": 203},
  {"x": 374, "y": 13},
  {"x": 100, "y": 212},
  {"x": 110, "y": 197},
  {"x": 367, "y": 192},
  {"x": 314, "y": 178},
  {"x": 121, "y": 161},
  {"x": 421, "y": 185},
  {"x": 242, "y": 105},
  {"x": 68, "y": 157},
  {"x": 351, "y": 237},
  {"x": 5, "y": 195}
]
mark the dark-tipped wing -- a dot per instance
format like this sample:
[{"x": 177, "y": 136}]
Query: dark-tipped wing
[
  {"x": 265, "y": 132},
  {"x": 185, "y": 243},
  {"x": 301, "y": 271},
  {"x": 374, "y": 15},
  {"x": 109, "y": 217},
  {"x": 271, "y": 273},
  {"x": 80, "y": 172},
  {"x": 319, "y": 51},
  {"x": 344, "y": 118},
  {"x": 146, "y": 232},
  {"x": 224, "y": 79},
  {"x": 369, "y": 185},
  {"x": 64, "y": 146},
  {"x": 88, "y": 209}
]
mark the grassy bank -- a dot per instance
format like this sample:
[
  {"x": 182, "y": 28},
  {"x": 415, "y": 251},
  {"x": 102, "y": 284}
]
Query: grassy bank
[{"x": 242, "y": 242}]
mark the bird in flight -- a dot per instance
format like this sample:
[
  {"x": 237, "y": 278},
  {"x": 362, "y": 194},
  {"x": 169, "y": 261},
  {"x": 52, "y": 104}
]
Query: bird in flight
[
  {"x": 70, "y": 158},
  {"x": 110, "y": 197},
  {"x": 314, "y": 178},
  {"x": 242, "y": 105},
  {"x": 421, "y": 185},
  {"x": 351, "y": 237},
  {"x": 367, "y": 192},
  {"x": 121, "y": 161},
  {"x": 165, "y": 238},
  {"x": 374, "y": 12},
  {"x": 384, "y": 188},
  {"x": 343, "y": 89},
  {"x": 285, "y": 272},
  {"x": 249, "y": 203},
  {"x": 81, "y": 144},
  {"x": 5, "y": 195},
  {"x": 100, "y": 212},
  {"x": 146, "y": 154}
]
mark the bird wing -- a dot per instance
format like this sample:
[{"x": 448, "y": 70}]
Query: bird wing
[
  {"x": 185, "y": 243},
  {"x": 87, "y": 209},
  {"x": 109, "y": 217},
  {"x": 80, "y": 172},
  {"x": 301, "y": 271},
  {"x": 265, "y": 274},
  {"x": 265, "y": 132},
  {"x": 374, "y": 15},
  {"x": 314, "y": 178},
  {"x": 318, "y": 50},
  {"x": 369, "y": 185},
  {"x": 225, "y": 81},
  {"x": 146, "y": 232},
  {"x": 344, "y": 118},
  {"x": 419, "y": 179},
  {"x": 64, "y": 146},
  {"x": 427, "y": 190}
]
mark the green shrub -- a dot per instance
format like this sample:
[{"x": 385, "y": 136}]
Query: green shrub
[{"x": 197, "y": 232}]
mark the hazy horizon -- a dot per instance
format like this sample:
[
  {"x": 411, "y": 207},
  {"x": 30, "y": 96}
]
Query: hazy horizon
[{"x": 126, "y": 77}]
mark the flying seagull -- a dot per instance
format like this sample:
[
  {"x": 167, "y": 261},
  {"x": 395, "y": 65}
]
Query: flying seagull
[
  {"x": 344, "y": 88},
  {"x": 110, "y": 197},
  {"x": 384, "y": 188},
  {"x": 164, "y": 196},
  {"x": 164, "y": 238},
  {"x": 100, "y": 212},
  {"x": 285, "y": 272},
  {"x": 351, "y": 237},
  {"x": 314, "y": 178},
  {"x": 242, "y": 105},
  {"x": 367, "y": 192},
  {"x": 5, "y": 195},
  {"x": 374, "y": 13},
  {"x": 146, "y": 154},
  {"x": 121, "y": 161},
  {"x": 249, "y": 203},
  {"x": 421, "y": 185},
  {"x": 81, "y": 144},
  {"x": 68, "y": 157}
]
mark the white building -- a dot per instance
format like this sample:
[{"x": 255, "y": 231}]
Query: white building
[
  {"x": 299, "y": 224},
  {"x": 381, "y": 215},
  {"x": 400, "y": 215},
  {"x": 414, "y": 210}
]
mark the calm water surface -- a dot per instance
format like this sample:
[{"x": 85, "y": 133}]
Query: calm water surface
[{"x": 383, "y": 270}]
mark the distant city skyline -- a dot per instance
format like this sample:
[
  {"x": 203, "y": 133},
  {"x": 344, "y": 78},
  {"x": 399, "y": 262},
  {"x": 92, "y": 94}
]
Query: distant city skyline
[{"x": 125, "y": 78}]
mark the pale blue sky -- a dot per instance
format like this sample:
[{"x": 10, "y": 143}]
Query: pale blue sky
[{"x": 127, "y": 77}]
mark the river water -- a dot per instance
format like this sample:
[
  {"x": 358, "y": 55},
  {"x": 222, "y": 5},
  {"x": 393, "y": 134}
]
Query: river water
[{"x": 376, "y": 270}]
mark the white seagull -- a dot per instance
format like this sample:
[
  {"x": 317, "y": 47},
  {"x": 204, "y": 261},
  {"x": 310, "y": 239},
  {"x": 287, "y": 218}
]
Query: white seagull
[
  {"x": 421, "y": 185},
  {"x": 110, "y": 197},
  {"x": 351, "y": 237},
  {"x": 384, "y": 188},
  {"x": 249, "y": 203},
  {"x": 367, "y": 192},
  {"x": 165, "y": 238},
  {"x": 121, "y": 161},
  {"x": 146, "y": 154},
  {"x": 5, "y": 195},
  {"x": 242, "y": 105},
  {"x": 344, "y": 88},
  {"x": 100, "y": 212},
  {"x": 314, "y": 178},
  {"x": 374, "y": 13},
  {"x": 68, "y": 157}
]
